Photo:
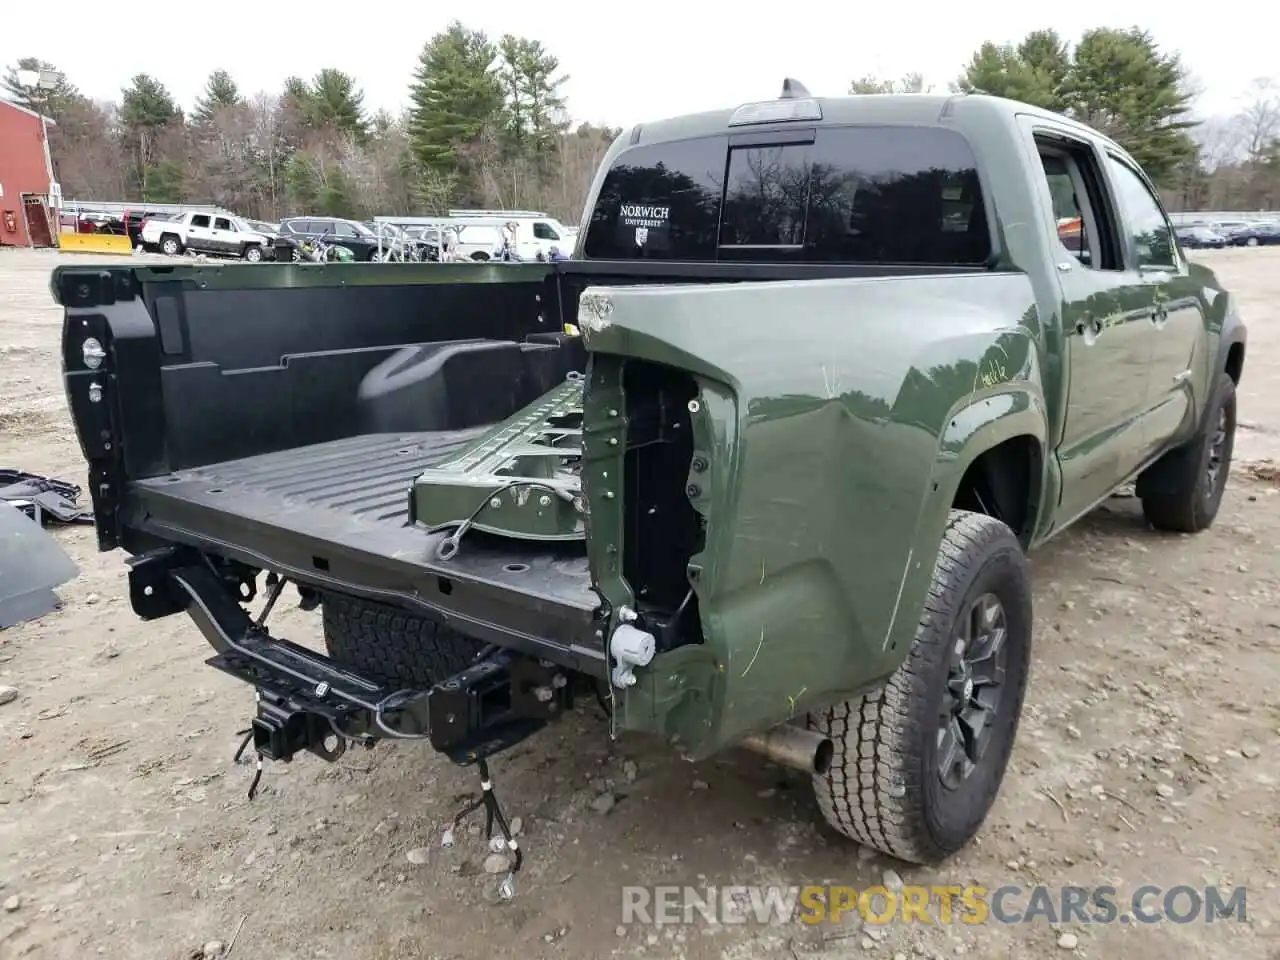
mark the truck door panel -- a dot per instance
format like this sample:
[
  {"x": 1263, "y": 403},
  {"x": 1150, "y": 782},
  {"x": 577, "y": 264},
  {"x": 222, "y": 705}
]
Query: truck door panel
[
  {"x": 225, "y": 239},
  {"x": 1177, "y": 317},
  {"x": 1106, "y": 318},
  {"x": 200, "y": 233}
]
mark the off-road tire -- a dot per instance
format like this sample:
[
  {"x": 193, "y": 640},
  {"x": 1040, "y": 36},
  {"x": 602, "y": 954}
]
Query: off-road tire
[
  {"x": 883, "y": 788},
  {"x": 391, "y": 646},
  {"x": 253, "y": 253},
  {"x": 170, "y": 245},
  {"x": 1176, "y": 492}
]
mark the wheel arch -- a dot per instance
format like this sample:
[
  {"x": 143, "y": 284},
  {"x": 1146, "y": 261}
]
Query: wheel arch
[
  {"x": 1001, "y": 433},
  {"x": 993, "y": 461},
  {"x": 1003, "y": 482}
]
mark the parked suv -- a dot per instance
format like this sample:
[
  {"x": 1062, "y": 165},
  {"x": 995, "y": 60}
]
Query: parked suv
[
  {"x": 208, "y": 233},
  {"x": 352, "y": 234}
]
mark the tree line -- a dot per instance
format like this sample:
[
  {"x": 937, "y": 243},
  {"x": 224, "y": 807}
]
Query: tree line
[
  {"x": 486, "y": 124},
  {"x": 1122, "y": 84}
]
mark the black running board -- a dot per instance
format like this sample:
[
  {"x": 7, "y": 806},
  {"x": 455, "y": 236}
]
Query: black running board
[{"x": 306, "y": 700}]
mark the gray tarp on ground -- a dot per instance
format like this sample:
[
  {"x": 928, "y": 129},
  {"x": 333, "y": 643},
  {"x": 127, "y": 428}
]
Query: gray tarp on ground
[{"x": 32, "y": 563}]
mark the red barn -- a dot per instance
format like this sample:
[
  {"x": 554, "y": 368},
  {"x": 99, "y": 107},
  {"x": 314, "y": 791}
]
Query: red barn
[{"x": 26, "y": 178}]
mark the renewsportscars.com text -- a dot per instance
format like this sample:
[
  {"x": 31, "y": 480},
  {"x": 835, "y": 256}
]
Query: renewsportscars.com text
[{"x": 814, "y": 904}]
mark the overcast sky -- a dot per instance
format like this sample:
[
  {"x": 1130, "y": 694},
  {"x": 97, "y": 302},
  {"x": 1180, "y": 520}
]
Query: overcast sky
[{"x": 627, "y": 62}]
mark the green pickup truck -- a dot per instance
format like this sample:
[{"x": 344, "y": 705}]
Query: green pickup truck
[{"x": 757, "y": 468}]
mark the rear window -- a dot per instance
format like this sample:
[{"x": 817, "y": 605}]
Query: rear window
[{"x": 865, "y": 194}]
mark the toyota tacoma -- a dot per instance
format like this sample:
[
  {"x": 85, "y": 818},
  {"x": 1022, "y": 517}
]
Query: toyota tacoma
[{"x": 758, "y": 467}]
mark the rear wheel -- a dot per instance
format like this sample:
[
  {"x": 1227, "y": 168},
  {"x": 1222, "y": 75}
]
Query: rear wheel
[
  {"x": 170, "y": 245},
  {"x": 918, "y": 763},
  {"x": 396, "y": 648}
]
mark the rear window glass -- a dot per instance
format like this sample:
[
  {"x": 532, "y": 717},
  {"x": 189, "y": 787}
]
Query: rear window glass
[{"x": 865, "y": 194}]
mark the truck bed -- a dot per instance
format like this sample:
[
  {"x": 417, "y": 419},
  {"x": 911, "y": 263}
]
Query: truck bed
[{"x": 337, "y": 512}]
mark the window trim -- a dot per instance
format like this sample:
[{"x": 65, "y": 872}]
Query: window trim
[
  {"x": 1089, "y": 223},
  {"x": 1065, "y": 140}
]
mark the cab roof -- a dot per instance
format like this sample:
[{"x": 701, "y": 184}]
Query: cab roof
[{"x": 962, "y": 109}]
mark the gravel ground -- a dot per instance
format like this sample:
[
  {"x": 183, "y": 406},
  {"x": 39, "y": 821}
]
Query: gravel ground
[{"x": 1148, "y": 754}]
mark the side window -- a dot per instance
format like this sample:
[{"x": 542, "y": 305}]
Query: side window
[
  {"x": 200, "y": 220},
  {"x": 543, "y": 231},
  {"x": 345, "y": 230},
  {"x": 1068, "y": 213},
  {"x": 1080, "y": 210},
  {"x": 320, "y": 227},
  {"x": 222, "y": 223},
  {"x": 1145, "y": 219}
]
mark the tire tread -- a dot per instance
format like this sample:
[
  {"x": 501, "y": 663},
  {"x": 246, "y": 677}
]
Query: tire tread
[
  {"x": 872, "y": 792},
  {"x": 390, "y": 645}
]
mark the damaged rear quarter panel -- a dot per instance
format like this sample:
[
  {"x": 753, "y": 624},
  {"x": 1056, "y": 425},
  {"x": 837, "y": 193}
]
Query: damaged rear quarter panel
[{"x": 831, "y": 409}]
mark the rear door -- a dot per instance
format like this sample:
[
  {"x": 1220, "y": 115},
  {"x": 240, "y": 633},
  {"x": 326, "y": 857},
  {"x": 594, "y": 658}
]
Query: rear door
[
  {"x": 225, "y": 237},
  {"x": 200, "y": 233},
  {"x": 349, "y": 237},
  {"x": 1178, "y": 374},
  {"x": 1106, "y": 314}
]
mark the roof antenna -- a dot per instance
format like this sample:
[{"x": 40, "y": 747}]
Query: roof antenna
[{"x": 793, "y": 89}]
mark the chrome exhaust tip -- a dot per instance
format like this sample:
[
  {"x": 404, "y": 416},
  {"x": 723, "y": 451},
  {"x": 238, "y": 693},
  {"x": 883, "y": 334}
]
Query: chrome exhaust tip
[{"x": 794, "y": 747}]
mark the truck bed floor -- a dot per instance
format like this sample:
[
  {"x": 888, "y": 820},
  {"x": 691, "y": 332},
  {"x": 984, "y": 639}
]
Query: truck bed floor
[{"x": 337, "y": 513}]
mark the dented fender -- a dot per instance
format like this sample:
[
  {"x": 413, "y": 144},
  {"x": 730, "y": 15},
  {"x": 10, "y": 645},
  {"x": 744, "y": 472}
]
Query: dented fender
[{"x": 836, "y": 416}]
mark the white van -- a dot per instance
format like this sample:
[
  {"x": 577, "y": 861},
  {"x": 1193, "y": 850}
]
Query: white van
[{"x": 535, "y": 232}]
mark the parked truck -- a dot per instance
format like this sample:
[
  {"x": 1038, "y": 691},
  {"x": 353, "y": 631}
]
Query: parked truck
[
  {"x": 207, "y": 233},
  {"x": 758, "y": 467}
]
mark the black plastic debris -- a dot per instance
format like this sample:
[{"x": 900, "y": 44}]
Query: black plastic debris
[{"x": 43, "y": 499}]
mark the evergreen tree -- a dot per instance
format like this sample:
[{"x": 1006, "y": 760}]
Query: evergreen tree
[
  {"x": 1121, "y": 84},
  {"x": 455, "y": 95},
  {"x": 533, "y": 105},
  {"x": 334, "y": 101},
  {"x": 148, "y": 116},
  {"x": 1115, "y": 80},
  {"x": 220, "y": 92}
]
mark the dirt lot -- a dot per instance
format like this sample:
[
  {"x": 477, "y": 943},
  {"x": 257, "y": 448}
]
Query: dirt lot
[{"x": 1149, "y": 753}]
